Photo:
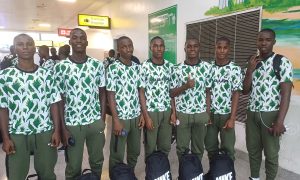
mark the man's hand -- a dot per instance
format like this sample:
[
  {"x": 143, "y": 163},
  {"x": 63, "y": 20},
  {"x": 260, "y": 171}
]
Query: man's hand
[
  {"x": 173, "y": 118},
  {"x": 8, "y": 147},
  {"x": 117, "y": 127},
  {"x": 55, "y": 139},
  {"x": 149, "y": 123},
  {"x": 278, "y": 129},
  {"x": 65, "y": 136},
  {"x": 254, "y": 60},
  {"x": 229, "y": 123},
  {"x": 141, "y": 122},
  {"x": 190, "y": 83}
]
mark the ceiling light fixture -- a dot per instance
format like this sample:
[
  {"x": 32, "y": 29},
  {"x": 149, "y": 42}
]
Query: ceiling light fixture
[
  {"x": 1, "y": 27},
  {"x": 44, "y": 25}
]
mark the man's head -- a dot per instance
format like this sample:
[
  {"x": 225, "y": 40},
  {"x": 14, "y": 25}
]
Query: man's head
[
  {"x": 12, "y": 50},
  {"x": 44, "y": 51},
  {"x": 111, "y": 53},
  {"x": 24, "y": 47},
  {"x": 78, "y": 40},
  {"x": 53, "y": 51},
  {"x": 157, "y": 47},
  {"x": 63, "y": 52},
  {"x": 266, "y": 41},
  {"x": 125, "y": 47},
  {"x": 222, "y": 48},
  {"x": 192, "y": 48}
]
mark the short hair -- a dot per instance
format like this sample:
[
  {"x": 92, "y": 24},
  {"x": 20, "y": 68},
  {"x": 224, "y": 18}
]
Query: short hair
[
  {"x": 122, "y": 38},
  {"x": 19, "y": 35},
  {"x": 77, "y": 29},
  {"x": 65, "y": 50},
  {"x": 191, "y": 39},
  {"x": 44, "y": 47},
  {"x": 156, "y": 37},
  {"x": 268, "y": 30},
  {"x": 111, "y": 51},
  {"x": 223, "y": 38}
]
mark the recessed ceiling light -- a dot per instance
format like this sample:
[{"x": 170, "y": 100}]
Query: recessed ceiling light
[
  {"x": 44, "y": 25},
  {"x": 70, "y": 1}
]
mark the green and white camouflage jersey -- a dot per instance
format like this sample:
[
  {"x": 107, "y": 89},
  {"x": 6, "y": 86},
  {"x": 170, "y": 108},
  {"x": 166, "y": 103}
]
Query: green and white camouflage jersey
[
  {"x": 125, "y": 80},
  {"x": 156, "y": 79},
  {"x": 79, "y": 83},
  {"x": 28, "y": 96},
  {"x": 224, "y": 80},
  {"x": 49, "y": 64},
  {"x": 192, "y": 100},
  {"x": 265, "y": 93}
]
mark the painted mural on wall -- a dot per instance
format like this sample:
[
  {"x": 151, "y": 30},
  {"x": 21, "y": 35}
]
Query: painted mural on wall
[{"x": 281, "y": 15}]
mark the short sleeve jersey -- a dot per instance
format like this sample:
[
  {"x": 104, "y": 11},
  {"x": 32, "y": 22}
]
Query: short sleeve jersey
[
  {"x": 28, "y": 97},
  {"x": 192, "y": 100},
  {"x": 224, "y": 80},
  {"x": 125, "y": 80},
  {"x": 108, "y": 61},
  {"x": 49, "y": 64},
  {"x": 265, "y": 93},
  {"x": 156, "y": 79},
  {"x": 79, "y": 83}
]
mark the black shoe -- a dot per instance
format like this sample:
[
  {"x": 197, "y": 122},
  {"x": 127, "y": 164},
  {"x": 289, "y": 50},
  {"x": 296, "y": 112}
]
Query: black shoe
[{"x": 62, "y": 148}]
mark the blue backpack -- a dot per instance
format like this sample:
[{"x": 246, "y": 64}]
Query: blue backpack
[
  {"x": 158, "y": 167},
  {"x": 190, "y": 167}
]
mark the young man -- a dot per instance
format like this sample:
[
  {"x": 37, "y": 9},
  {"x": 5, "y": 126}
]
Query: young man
[
  {"x": 82, "y": 84},
  {"x": 268, "y": 104},
  {"x": 29, "y": 114},
  {"x": 155, "y": 99},
  {"x": 63, "y": 52},
  {"x": 44, "y": 54},
  {"x": 191, "y": 84},
  {"x": 54, "y": 56},
  {"x": 226, "y": 82},
  {"x": 123, "y": 81},
  {"x": 9, "y": 60},
  {"x": 110, "y": 59}
]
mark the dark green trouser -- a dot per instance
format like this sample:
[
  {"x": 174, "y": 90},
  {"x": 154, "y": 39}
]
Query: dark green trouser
[
  {"x": 258, "y": 138},
  {"x": 132, "y": 140},
  {"x": 227, "y": 136},
  {"x": 192, "y": 128},
  {"x": 93, "y": 135},
  {"x": 159, "y": 138},
  {"x": 45, "y": 157}
]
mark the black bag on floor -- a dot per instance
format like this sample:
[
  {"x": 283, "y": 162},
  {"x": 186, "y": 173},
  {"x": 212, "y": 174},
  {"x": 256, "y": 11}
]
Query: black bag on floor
[
  {"x": 122, "y": 171},
  {"x": 190, "y": 167},
  {"x": 158, "y": 166},
  {"x": 88, "y": 174},
  {"x": 32, "y": 176},
  {"x": 221, "y": 167}
]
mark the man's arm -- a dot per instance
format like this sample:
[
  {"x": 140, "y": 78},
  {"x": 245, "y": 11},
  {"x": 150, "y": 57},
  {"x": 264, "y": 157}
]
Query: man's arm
[
  {"x": 147, "y": 118},
  {"x": 177, "y": 91},
  {"x": 285, "y": 92},
  {"x": 208, "y": 103},
  {"x": 102, "y": 99},
  {"x": 247, "y": 83},
  {"x": 55, "y": 115},
  {"x": 8, "y": 145},
  {"x": 64, "y": 130},
  {"x": 173, "y": 112},
  {"x": 234, "y": 105},
  {"x": 117, "y": 126}
]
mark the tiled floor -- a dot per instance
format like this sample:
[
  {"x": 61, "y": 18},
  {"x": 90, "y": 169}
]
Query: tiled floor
[{"x": 241, "y": 164}]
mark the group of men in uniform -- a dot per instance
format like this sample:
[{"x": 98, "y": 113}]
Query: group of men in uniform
[{"x": 40, "y": 107}]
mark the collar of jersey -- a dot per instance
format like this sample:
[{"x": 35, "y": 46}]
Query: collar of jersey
[
  {"x": 33, "y": 71},
  {"x": 86, "y": 58},
  {"x": 265, "y": 59},
  {"x": 223, "y": 64},
  {"x": 199, "y": 61},
  {"x": 126, "y": 64},
  {"x": 157, "y": 64}
]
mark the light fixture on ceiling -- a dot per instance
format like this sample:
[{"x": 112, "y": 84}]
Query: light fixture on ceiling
[
  {"x": 69, "y": 1},
  {"x": 2, "y": 27},
  {"x": 44, "y": 25}
]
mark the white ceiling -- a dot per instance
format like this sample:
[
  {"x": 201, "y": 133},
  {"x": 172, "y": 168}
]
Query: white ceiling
[{"x": 26, "y": 15}]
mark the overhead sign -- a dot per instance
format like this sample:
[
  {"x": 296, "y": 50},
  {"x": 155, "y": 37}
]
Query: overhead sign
[
  {"x": 39, "y": 43},
  {"x": 64, "y": 32},
  {"x": 101, "y": 22}
]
